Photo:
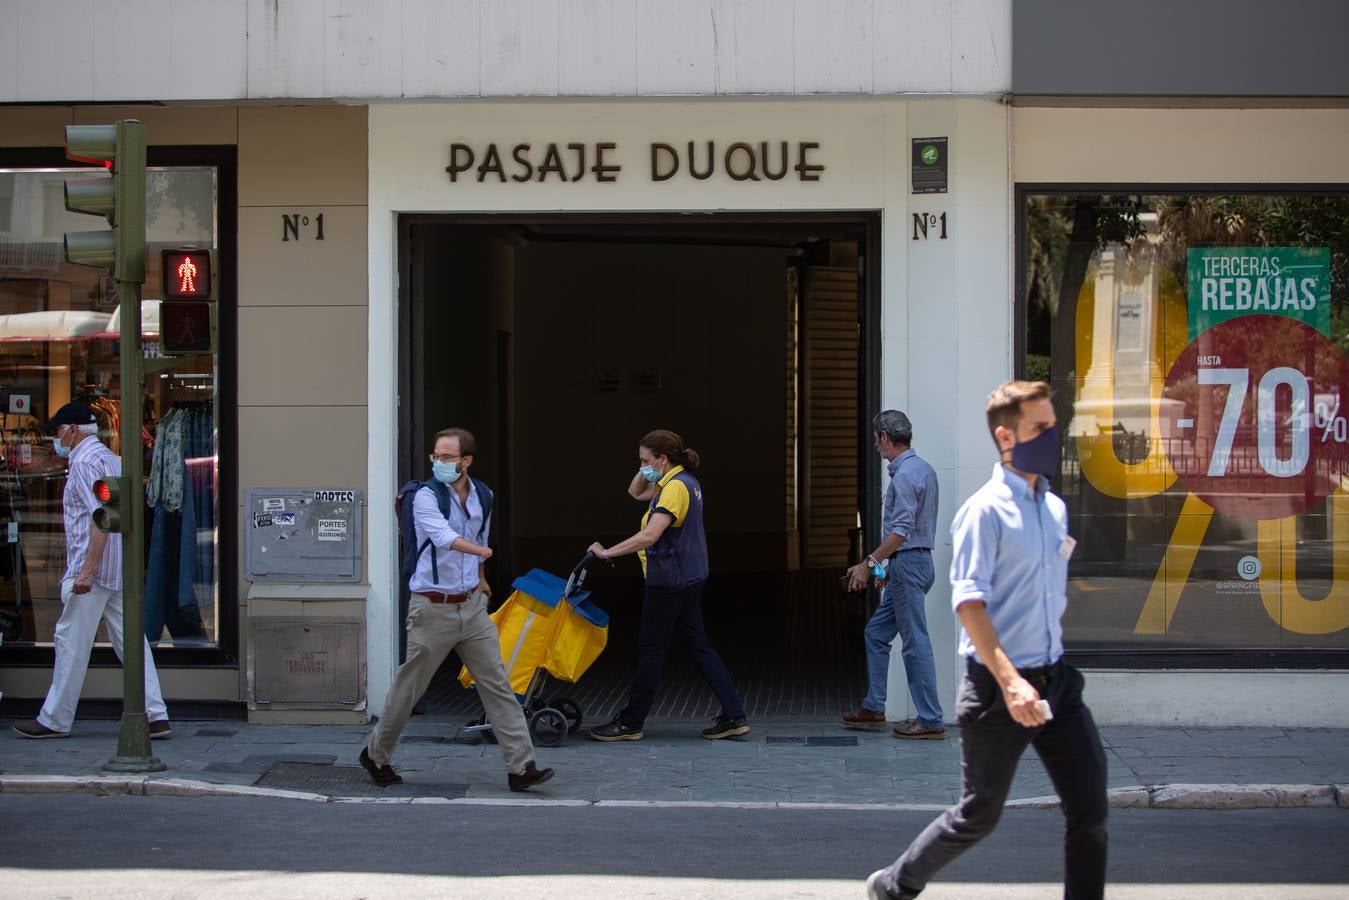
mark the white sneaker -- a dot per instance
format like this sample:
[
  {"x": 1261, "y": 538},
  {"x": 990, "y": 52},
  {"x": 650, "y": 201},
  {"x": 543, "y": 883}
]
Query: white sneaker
[{"x": 874, "y": 889}]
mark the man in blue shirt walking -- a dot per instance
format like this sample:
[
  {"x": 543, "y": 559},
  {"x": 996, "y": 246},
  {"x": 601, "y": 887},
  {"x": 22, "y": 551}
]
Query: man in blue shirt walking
[
  {"x": 1009, "y": 574},
  {"x": 910, "y": 520},
  {"x": 448, "y": 612}
]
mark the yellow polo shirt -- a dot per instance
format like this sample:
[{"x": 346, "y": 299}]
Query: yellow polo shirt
[{"x": 673, "y": 498}]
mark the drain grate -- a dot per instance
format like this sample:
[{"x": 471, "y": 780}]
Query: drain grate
[
  {"x": 216, "y": 732},
  {"x": 820, "y": 741},
  {"x": 841, "y": 740},
  {"x": 349, "y": 781}
]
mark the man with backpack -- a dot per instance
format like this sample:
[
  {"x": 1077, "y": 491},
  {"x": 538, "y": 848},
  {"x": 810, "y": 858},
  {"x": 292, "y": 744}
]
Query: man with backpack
[{"x": 444, "y": 525}]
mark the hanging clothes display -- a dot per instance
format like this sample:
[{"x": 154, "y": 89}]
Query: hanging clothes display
[{"x": 180, "y": 570}]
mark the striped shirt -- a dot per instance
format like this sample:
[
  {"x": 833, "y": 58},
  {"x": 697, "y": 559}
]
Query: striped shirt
[{"x": 90, "y": 461}]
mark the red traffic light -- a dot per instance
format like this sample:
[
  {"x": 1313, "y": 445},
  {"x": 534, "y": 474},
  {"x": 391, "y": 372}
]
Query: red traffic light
[
  {"x": 108, "y": 493},
  {"x": 185, "y": 274}
]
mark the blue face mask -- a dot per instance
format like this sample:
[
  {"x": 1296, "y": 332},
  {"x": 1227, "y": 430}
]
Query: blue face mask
[
  {"x": 650, "y": 474},
  {"x": 1039, "y": 455},
  {"x": 62, "y": 450},
  {"x": 445, "y": 473}
]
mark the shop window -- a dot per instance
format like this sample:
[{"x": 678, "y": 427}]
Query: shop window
[
  {"x": 1196, "y": 343},
  {"x": 60, "y": 341}
]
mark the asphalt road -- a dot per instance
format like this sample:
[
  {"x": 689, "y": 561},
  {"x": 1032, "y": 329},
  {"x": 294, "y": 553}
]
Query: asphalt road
[{"x": 76, "y": 845}]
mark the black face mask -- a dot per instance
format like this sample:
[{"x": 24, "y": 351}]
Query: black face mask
[{"x": 1039, "y": 455}]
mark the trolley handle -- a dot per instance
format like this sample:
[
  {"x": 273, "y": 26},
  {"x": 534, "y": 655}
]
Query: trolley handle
[{"x": 578, "y": 575}]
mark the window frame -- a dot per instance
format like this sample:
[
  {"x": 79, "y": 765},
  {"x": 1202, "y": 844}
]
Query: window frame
[
  {"x": 1166, "y": 658},
  {"x": 226, "y": 653}
]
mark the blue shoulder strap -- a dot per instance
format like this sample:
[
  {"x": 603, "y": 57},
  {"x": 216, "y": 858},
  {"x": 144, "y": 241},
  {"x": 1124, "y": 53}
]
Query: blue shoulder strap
[
  {"x": 442, "y": 495},
  {"x": 487, "y": 500},
  {"x": 443, "y": 502}
]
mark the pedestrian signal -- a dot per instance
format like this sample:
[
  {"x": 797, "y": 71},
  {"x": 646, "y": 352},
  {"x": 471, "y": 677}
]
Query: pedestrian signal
[
  {"x": 186, "y": 328},
  {"x": 108, "y": 492},
  {"x": 185, "y": 274}
]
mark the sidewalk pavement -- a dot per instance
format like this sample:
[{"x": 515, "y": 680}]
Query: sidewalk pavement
[{"x": 783, "y": 761}]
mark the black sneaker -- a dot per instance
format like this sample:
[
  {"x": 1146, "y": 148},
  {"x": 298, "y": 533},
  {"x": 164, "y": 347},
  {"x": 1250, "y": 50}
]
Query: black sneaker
[
  {"x": 615, "y": 731},
  {"x": 725, "y": 727},
  {"x": 381, "y": 775}
]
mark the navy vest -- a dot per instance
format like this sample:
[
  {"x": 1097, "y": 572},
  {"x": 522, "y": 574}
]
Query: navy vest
[{"x": 679, "y": 556}]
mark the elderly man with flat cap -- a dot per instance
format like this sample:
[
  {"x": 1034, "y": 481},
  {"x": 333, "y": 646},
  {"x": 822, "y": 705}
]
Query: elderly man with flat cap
[{"x": 91, "y": 588}]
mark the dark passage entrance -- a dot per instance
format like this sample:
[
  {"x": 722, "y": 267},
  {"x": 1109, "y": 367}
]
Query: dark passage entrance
[{"x": 561, "y": 341}]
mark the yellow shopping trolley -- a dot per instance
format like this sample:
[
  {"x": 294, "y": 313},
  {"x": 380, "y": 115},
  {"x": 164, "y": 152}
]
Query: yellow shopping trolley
[{"x": 548, "y": 627}]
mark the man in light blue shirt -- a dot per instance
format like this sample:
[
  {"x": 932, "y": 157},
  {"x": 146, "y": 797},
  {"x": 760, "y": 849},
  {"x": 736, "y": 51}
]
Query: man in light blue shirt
[
  {"x": 448, "y": 612},
  {"x": 1009, "y": 573},
  {"x": 905, "y": 557}
]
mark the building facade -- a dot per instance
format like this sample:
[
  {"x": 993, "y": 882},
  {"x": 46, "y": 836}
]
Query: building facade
[{"x": 563, "y": 224}]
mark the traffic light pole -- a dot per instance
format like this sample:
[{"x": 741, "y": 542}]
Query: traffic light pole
[{"x": 133, "y": 743}]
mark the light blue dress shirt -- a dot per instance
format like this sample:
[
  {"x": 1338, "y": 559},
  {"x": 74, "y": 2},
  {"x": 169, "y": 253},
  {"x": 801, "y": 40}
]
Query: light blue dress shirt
[
  {"x": 456, "y": 573},
  {"x": 1010, "y": 550},
  {"x": 910, "y": 506}
]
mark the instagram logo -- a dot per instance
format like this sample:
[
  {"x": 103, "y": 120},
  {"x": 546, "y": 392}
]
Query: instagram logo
[{"x": 1248, "y": 567}]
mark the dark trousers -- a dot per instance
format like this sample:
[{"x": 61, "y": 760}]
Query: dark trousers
[
  {"x": 665, "y": 614},
  {"x": 991, "y": 744}
]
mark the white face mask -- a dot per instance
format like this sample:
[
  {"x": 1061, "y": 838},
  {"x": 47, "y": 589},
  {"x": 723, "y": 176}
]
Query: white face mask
[{"x": 61, "y": 449}]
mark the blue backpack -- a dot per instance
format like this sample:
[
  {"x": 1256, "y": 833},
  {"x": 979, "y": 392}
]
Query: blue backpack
[{"x": 407, "y": 529}]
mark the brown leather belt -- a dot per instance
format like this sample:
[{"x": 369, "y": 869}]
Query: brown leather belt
[{"x": 438, "y": 597}]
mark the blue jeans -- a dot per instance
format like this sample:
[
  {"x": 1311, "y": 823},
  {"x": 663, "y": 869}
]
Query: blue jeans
[{"x": 902, "y": 612}]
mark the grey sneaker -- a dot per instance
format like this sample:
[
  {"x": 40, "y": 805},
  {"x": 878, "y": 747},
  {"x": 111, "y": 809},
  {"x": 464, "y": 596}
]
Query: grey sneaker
[
  {"x": 877, "y": 891},
  {"x": 874, "y": 889}
]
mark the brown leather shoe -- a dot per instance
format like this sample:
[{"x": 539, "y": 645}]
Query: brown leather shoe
[
  {"x": 863, "y": 718},
  {"x": 914, "y": 731},
  {"x": 35, "y": 729},
  {"x": 381, "y": 775},
  {"x": 531, "y": 776},
  {"x": 161, "y": 730}
]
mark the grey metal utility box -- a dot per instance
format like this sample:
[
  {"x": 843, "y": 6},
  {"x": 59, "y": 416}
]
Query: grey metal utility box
[
  {"x": 302, "y": 534},
  {"x": 306, "y": 663}
]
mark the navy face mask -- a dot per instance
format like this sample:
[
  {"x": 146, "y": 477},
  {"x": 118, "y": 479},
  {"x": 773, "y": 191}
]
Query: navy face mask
[{"x": 1039, "y": 455}]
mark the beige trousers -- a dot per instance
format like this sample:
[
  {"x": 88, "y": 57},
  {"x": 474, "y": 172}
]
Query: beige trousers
[{"x": 434, "y": 629}]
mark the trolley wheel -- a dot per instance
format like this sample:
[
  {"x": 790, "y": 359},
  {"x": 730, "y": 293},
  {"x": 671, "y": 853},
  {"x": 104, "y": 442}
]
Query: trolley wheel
[
  {"x": 548, "y": 728},
  {"x": 569, "y": 708}
]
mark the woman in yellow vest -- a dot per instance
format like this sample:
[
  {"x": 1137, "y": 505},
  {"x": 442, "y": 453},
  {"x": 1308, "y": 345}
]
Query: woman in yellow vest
[{"x": 673, "y": 549}]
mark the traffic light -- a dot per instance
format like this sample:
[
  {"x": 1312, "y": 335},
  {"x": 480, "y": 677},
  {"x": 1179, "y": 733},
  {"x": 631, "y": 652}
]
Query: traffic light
[
  {"x": 120, "y": 198},
  {"x": 186, "y": 274},
  {"x": 186, "y": 314},
  {"x": 108, "y": 492}
]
